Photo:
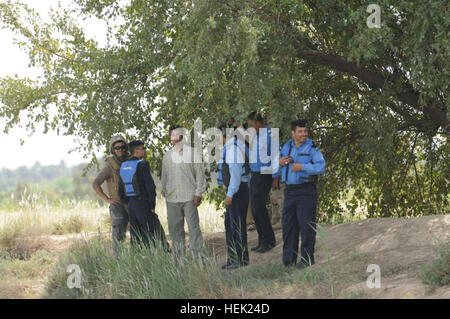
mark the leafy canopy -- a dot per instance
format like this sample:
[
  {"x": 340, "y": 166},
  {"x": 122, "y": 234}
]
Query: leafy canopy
[{"x": 377, "y": 98}]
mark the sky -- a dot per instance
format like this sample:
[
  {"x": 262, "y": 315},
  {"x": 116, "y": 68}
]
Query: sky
[{"x": 36, "y": 147}]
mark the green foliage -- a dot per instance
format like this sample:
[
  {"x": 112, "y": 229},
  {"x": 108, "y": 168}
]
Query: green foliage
[
  {"x": 377, "y": 99},
  {"x": 10, "y": 178},
  {"x": 52, "y": 184},
  {"x": 437, "y": 273}
]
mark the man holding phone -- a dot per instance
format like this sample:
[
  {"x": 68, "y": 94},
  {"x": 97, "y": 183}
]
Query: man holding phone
[{"x": 301, "y": 161}]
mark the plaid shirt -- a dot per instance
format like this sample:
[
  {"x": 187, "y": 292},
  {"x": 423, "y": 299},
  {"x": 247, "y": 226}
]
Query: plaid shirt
[{"x": 182, "y": 180}]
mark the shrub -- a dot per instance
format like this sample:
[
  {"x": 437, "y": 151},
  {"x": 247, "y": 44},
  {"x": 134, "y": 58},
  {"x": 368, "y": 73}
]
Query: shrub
[
  {"x": 74, "y": 224},
  {"x": 437, "y": 273},
  {"x": 16, "y": 241}
]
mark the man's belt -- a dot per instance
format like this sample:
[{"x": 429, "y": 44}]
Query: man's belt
[
  {"x": 298, "y": 186},
  {"x": 259, "y": 173}
]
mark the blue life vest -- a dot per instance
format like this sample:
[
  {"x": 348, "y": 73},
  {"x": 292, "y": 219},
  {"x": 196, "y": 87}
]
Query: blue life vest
[
  {"x": 128, "y": 175},
  {"x": 223, "y": 170}
]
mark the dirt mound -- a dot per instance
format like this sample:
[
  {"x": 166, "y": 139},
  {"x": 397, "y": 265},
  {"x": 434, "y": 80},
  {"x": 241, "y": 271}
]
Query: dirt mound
[{"x": 398, "y": 246}]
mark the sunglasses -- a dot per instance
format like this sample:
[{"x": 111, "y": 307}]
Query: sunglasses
[{"x": 123, "y": 147}]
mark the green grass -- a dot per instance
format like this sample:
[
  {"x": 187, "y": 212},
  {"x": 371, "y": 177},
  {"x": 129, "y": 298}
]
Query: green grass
[
  {"x": 437, "y": 273},
  {"x": 138, "y": 273},
  {"x": 153, "y": 273}
]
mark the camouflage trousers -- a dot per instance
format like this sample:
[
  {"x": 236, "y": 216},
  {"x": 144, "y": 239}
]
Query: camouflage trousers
[
  {"x": 276, "y": 200},
  {"x": 119, "y": 222}
]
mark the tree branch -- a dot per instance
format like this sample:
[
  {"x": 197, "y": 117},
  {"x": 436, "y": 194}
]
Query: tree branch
[{"x": 376, "y": 81}]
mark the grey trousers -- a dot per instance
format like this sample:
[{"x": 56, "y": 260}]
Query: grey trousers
[
  {"x": 119, "y": 222},
  {"x": 176, "y": 213}
]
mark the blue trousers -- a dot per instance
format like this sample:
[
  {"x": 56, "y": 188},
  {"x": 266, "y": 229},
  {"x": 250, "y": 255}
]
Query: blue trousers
[
  {"x": 260, "y": 185},
  {"x": 144, "y": 224},
  {"x": 235, "y": 227},
  {"x": 299, "y": 218}
]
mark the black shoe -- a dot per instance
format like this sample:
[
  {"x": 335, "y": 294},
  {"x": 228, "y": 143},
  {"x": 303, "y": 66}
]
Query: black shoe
[
  {"x": 230, "y": 266},
  {"x": 301, "y": 266},
  {"x": 290, "y": 264},
  {"x": 264, "y": 249},
  {"x": 255, "y": 247},
  {"x": 224, "y": 266}
]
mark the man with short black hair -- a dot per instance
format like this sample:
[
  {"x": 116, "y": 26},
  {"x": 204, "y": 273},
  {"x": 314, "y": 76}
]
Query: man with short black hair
[
  {"x": 137, "y": 189},
  {"x": 301, "y": 161},
  {"x": 234, "y": 173},
  {"x": 261, "y": 182}
]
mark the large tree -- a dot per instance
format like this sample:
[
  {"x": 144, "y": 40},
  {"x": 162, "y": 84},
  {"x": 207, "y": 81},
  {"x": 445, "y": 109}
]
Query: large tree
[{"x": 377, "y": 98}]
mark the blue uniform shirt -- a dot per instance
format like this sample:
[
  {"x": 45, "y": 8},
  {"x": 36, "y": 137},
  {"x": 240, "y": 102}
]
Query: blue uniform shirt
[
  {"x": 235, "y": 158},
  {"x": 260, "y": 152},
  {"x": 311, "y": 158}
]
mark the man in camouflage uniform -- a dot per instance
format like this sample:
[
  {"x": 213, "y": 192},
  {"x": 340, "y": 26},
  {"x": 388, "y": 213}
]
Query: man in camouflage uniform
[
  {"x": 110, "y": 174},
  {"x": 276, "y": 201}
]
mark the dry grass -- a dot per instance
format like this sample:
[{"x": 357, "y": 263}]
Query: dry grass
[
  {"x": 28, "y": 253},
  {"x": 83, "y": 216},
  {"x": 74, "y": 224}
]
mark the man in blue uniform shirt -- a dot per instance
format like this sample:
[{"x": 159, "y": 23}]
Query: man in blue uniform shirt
[
  {"x": 300, "y": 163},
  {"x": 235, "y": 174},
  {"x": 262, "y": 180},
  {"x": 138, "y": 190}
]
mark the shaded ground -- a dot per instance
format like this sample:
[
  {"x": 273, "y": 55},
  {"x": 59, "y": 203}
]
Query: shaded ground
[
  {"x": 398, "y": 246},
  {"x": 343, "y": 252}
]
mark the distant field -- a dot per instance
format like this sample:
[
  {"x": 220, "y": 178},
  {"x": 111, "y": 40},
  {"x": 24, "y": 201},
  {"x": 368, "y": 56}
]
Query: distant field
[{"x": 73, "y": 216}]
